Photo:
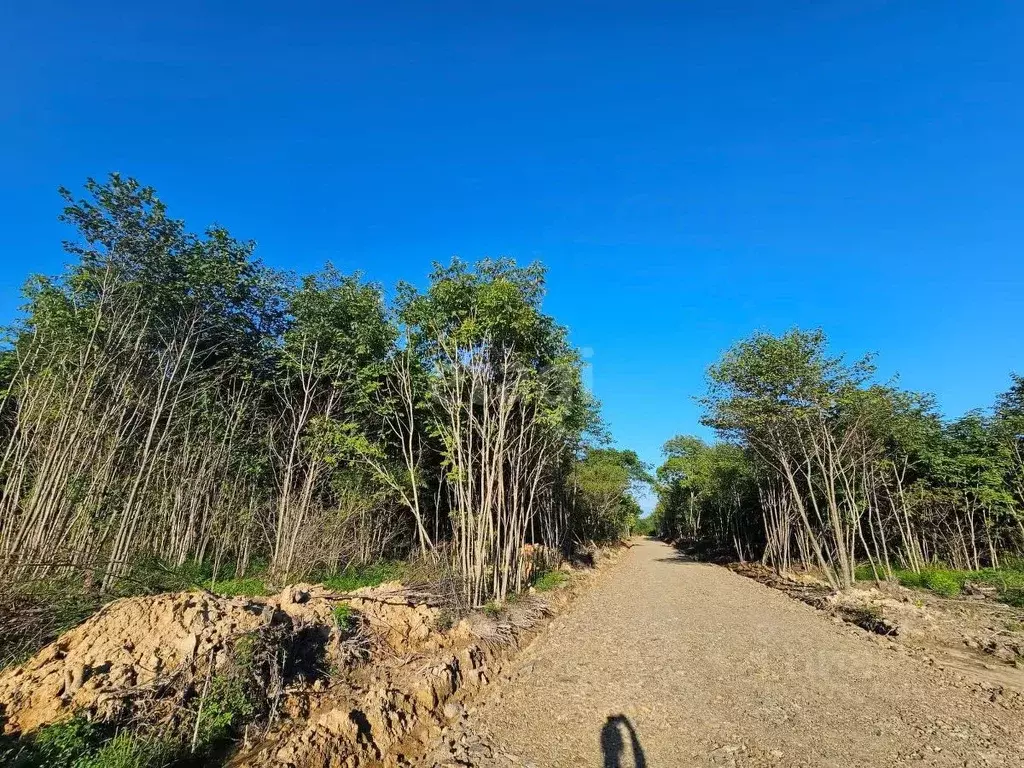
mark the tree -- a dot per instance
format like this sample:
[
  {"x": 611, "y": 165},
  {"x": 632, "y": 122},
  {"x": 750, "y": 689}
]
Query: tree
[
  {"x": 845, "y": 469},
  {"x": 605, "y": 480},
  {"x": 169, "y": 397}
]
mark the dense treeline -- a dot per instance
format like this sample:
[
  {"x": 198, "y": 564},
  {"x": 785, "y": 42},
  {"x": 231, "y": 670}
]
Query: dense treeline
[
  {"x": 820, "y": 465},
  {"x": 171, "y": 398}
]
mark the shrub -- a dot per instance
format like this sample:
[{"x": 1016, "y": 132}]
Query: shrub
[
  {"x": 550, "y": 580},
  {"x": 344, "y": 618}
]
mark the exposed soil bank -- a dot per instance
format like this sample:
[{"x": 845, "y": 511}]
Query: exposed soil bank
[
  {"x": 404, "y": 707},
  {"x": 378, "y": 688}
]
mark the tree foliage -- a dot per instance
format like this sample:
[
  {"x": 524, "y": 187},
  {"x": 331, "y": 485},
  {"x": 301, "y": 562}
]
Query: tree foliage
[
  {"x": 827, "y": 467},
  {"x": 169, "y": 396}
]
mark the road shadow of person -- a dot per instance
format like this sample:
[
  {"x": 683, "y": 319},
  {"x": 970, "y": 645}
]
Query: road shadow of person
[{"x": 613, "y": 744}]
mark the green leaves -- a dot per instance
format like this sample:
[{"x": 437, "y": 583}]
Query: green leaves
[
  {"x": 606, "y": 479},
  {"x": 496, "y": 302}
]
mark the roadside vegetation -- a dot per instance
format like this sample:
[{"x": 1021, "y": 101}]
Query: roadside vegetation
[
  {"x": 1005, "y": 584},
  {"x": 176, "y": 415},
  {"x": 820, "y": 467}
]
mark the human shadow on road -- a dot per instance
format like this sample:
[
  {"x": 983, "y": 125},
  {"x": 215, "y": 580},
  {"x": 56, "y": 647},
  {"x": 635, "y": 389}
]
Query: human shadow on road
[{"x": 613, "y": 744}]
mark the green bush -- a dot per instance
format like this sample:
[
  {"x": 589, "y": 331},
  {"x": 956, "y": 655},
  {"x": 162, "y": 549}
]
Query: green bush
[
  {"x": 344, "y": 618},
  {"x": 550, "y": 580}
]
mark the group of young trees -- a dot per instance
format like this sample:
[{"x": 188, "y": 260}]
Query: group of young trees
[
  {"x": 169, "y": 396},
  {"x": 819, "y": 464}
]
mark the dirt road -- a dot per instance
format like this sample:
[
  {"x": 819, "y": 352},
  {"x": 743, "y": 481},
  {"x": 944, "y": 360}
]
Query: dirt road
[{"x": 666, "y": 662}]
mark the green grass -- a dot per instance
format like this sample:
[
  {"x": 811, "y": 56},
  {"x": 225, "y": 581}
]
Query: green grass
[
  {"x": 943, "y": 583},
  {"x": 247, "y": 587},
  {"x": 949, "y": 582},
  {"x": 77, "y": 743},
  {"x": 352, "y": 579},
  {"x": 152, "y": 576},
  {"x": 549, "y": 580},
  {"x": 128, "y": 750},
  {"x": 61, "y": 745}
]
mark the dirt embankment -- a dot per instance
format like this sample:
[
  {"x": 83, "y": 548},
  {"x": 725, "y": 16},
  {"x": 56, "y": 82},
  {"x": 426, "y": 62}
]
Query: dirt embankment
[
  {"x": 409, "y": 707},
  {"x": 375, "y": 688}
]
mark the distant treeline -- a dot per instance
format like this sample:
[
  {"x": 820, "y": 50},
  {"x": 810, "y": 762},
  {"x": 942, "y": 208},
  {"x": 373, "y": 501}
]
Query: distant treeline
[
  {"x": 171, "y": 397},
  {"x": 820, "y": 465}
]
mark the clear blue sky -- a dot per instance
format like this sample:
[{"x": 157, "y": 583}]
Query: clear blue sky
[{"x": 689, "y": 171}]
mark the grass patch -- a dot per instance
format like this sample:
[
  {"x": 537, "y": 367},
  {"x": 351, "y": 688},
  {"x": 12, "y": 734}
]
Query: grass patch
[
  {"x": 128, "y": 750},
  {"x": 354, "y": 578},
  {"x": 248, "y": 587},
  {"x": 1014, "y": 597},
  {"x": 549, "y": 580},
  {"x": 152, "y": 576},
  {"x": 942, "y": 582},
  {"x": 1008, "y": 581}
]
